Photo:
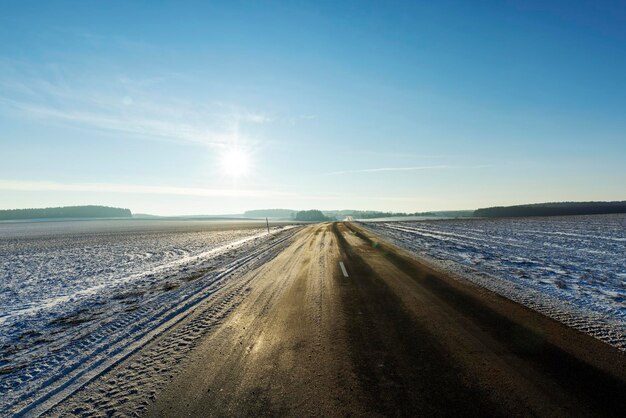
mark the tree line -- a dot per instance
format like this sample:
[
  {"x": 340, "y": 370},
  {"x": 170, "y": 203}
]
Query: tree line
[
  {"x": 65, "y": 212},
  {"x": 553, "y": 209},
  {"x": 312, "y": 215}
]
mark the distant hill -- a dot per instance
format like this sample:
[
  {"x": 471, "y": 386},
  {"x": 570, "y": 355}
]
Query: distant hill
[
  {"x": 372, "y": 214},
  {"x": 270, "y": 213},
  {"x": 553, "y": 209},
  {"x": 65, "y": 212}
]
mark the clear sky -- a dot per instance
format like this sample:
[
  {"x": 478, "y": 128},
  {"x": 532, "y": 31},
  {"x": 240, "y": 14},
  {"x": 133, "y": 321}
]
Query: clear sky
[{"x": 218, "y": 107}]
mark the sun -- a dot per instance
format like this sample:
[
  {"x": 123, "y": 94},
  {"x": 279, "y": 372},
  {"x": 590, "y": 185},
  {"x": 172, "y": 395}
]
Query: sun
[{"x": 234, "y": 162}]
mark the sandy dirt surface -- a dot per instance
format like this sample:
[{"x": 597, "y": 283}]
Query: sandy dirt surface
[{"x": 394, "y": 338}]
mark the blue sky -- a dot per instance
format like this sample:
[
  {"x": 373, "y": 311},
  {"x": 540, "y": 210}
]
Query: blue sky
[{"x": 405, "y": 106}]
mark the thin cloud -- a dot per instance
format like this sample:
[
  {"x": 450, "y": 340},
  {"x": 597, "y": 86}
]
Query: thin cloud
[
  {"x": 255, "y": 117},
  {"x": 34, "y": 186},
  {"x": 295, "y": 120},
  {"x": 145, "y": 127},
  {"x": 411, "y": 155},
  {"x": 382, "y": 169},
  {"x": 126, "y": 108},
  {"x": 399, "y": 169}
]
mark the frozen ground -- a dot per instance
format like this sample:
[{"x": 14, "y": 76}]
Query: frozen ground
[
  {"x": 78, "y": 296},
  {"x": 570, "y": 268}
]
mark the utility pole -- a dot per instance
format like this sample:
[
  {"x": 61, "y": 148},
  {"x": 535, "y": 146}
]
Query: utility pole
[{"x": 268, "y": 225}]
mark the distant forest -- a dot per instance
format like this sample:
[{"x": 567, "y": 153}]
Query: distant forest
[
  {"x": 361, "y": 214},
  {"x": 270, "y": 213},
  {"x": 553, "y": 209},
  {"x": 356, "y": 214},
  {"x": 65, "y": 212},
  {"x": 312, "y": 215},
  {"x": 371, "y": 214},
  {"x": 337, "y": 215}
]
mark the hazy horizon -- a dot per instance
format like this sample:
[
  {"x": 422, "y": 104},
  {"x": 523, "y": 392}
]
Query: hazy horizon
[
  {"x": 321, "y": 209},
  {"x": 218, "y": 109}
]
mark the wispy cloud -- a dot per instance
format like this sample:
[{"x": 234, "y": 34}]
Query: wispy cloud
[
  {"x": 398, "y": 169},
  {"x": 404, "y": 154},
  {"x": 125, "y": 107},
  {"x": 300, "y": 118},
  {"x": 377, "y": 170},
  {"x": 255, "y": 117},
  {"x": 40, "y": 186},
  {"x": 145, "y": 126}
]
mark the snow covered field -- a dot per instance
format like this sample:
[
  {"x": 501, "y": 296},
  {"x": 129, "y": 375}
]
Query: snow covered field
[
  {"x": 77, "y": 296},
  {"x": 570, "y": 268}
]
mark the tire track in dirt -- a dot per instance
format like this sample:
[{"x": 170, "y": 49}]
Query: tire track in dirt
[
  {"x": 395, "y": 338},
  {"x": 282, "y": 352},
  {"x": 128, "y": 387},
  {"x": 525, "y": 362}
]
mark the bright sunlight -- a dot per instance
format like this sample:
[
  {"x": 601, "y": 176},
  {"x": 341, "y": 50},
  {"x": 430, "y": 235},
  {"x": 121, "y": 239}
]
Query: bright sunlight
[{"x": 234, "y": 162}]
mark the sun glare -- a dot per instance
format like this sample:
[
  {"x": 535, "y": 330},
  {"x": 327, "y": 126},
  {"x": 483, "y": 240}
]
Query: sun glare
[{"x": 234, "y": 162}]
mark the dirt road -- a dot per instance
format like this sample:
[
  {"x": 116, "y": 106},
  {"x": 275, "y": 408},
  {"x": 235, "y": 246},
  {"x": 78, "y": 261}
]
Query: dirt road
[{"x": 392, "y": 338}]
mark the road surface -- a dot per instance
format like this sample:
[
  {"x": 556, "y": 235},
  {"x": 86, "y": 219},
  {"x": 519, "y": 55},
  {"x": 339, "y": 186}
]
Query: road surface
[{"x": 393, "y": 338}]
